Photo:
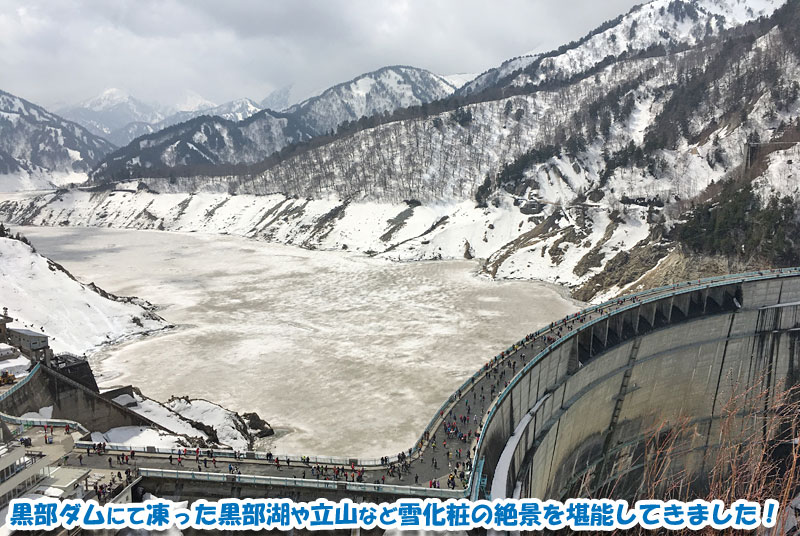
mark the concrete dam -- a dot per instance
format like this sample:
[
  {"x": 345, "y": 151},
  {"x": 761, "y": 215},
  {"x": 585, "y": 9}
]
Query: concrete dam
[{"x": 575, "y": 421}]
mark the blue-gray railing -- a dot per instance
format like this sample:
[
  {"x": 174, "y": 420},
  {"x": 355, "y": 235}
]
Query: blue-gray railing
[
  {"x": 24, "y": 421},
  {"x": 408, "y": 491},
  {"x": 241, "y": 455}
]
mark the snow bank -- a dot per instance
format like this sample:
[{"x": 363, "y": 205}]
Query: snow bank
[
  {"x": 18, "y": 366},
  {"x": 41, "y": 296},
  {"x": 162, "y": 415},
  {"x": 176, "y": 415},
  {"x": 138, "y": 436},
  {"x": 43, "y": 413},
  {"x": 227, "y": 424}
]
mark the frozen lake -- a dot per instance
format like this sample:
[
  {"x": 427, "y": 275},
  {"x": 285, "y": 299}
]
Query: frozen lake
[{"x": 342, "y": 354}]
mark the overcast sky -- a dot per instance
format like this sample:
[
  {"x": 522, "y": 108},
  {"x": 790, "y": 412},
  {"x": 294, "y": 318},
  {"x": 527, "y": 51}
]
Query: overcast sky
[{"x": 64, "y": 51}]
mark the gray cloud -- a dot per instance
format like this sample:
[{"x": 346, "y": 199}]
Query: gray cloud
[{"x": 61, "y": 52}]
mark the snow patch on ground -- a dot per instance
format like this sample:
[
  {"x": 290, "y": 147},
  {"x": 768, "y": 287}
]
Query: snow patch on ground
[
  {"x": 43, "y": 413},
  {"x": 782, "y": 176},
  {"x": 176, "y": 414},
  {"x": 138, "y": 436},
  {"x": 214, "y": 415},
  {"x": 163, "y": 416},
  {"x": 18, "y": 366}
]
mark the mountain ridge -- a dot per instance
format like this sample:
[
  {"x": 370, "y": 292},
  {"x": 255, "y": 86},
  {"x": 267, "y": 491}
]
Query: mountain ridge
[{"x": 39, "y": 149}]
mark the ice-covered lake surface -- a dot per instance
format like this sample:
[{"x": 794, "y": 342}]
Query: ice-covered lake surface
[{"x": 343, "y": 354}]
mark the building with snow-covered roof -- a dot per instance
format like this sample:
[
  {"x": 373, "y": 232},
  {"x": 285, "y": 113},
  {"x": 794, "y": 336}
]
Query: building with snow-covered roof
[{"x": 31, "y": 343}]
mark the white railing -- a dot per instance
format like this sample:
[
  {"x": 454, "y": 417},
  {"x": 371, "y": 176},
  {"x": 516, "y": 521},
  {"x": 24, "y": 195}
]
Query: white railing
[{"x": 410, "y": 491}]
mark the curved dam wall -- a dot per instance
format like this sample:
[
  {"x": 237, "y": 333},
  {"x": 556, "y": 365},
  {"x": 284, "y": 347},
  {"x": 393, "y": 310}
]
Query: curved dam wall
[{"x": 578, "y": 416}]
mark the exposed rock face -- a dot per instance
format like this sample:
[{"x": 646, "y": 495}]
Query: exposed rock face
[{"x": 258, "y": 425}]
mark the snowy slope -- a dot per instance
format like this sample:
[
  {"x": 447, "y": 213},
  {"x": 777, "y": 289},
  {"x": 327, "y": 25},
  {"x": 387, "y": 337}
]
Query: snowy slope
[
  {"x": 670, "y": 23},
  {"x": 279, "y": 99},
  {"x": 139, "y": 436},
  {"x": 124, "y": 135},
  {"x": 191, "y": 101},
  {"x": 160, "y": 414},
  {"x": 235, "y": 110},
  {"x": 384, "y": 90},
  {"x": 457, "y": 80},
  {"x": 39, "y": 149},
  {"x": 193, "y": 418},
  {"x": 396, "y": 231},
  {"x": 203, "y": 141},
  {"x": 230, "y": 428},
  {"x": 41, "y": 295}
]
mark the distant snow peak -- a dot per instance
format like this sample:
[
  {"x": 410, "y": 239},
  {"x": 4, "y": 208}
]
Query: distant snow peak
[
  {"x": 192, "y": 101},
  {"x": 385, "y": 90},
  {"x": 459, "y": 79},
  {"x": 109, "y": 98},
  {"x": 279, "y": 99}
]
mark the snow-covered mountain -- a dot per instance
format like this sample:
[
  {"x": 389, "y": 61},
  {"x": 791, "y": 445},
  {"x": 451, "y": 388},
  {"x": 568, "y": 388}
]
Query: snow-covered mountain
[
  {"x": 39, "y": 149},
  {"x": 278, "y": 100},
  {"x": 78, "y": 317},
  {"x": 204, "y": 142},
  {"x": 191, "y": 101},
  {"x": 235, "y": 110},
  {"x": 674, "y": 24},
  {"x": 113, "y": 109},
  {"x": 250, "y": 136},
  {"x": 458, "y": 80},
  {"x": 385, "y": 90},
  {"x": 119, "y": 117},
  {"x": 124, "y": 135}
]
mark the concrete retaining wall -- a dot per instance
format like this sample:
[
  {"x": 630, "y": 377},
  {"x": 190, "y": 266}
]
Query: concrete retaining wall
[{"x": 70, "y": 400}]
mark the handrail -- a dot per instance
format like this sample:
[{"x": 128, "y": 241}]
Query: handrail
[
  {"x": 243, "y": 455},
  {"x": 35, "y": 422},
  {"x": 409, "y": 491},
  {"x": 20, "y": 383},
  {"x": 676, "y": 288}
]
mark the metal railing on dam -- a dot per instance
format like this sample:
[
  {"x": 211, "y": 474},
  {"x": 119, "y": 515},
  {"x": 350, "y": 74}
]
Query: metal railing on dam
[
  {"x": 26, "y": 422},
  {"x": 302, "y": 483},
  {"x": 575, "y": 377}
]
